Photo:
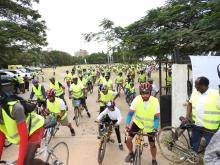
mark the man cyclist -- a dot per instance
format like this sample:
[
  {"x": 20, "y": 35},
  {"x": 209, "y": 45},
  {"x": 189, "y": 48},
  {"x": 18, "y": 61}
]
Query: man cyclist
[
  {"x": 155, "y": 89},
  {"x": 78, "y": 92},
  {"x": 112, "y": 114},
  {"x": 144, "y": 114},
  {"x": 204, "y": 110},
  {"x": 59, "y": 88},
  {"x": 57, "y": 108},
  {"x": 18, "y": 128},
  {"x": 119, "y": 82},
  {"x": 68, "y": 78},
  {"x": 39, "y": 91},
  {"x": 105, "y": 96},
  {"x": 108, "y": 82},
  {"x": 142, "y": 77}
]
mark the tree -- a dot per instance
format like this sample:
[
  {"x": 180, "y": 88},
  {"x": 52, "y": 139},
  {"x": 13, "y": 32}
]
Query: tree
[{"x": 21, "y": 27}]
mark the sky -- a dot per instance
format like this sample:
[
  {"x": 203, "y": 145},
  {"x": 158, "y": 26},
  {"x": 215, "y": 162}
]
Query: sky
[{"x": 67, "y": 20}]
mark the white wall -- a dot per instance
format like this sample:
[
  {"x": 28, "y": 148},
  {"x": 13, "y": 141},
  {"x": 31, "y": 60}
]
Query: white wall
[{"x": 179, "y": 92}]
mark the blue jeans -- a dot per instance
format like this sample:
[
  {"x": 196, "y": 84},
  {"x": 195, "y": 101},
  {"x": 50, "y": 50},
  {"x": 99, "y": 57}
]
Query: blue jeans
[{"x": 197, "y": 134}]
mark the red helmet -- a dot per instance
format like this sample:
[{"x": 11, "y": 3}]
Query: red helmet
[
  {"x": 51, "y": 92},
  {"x": 145, "y": 87}
]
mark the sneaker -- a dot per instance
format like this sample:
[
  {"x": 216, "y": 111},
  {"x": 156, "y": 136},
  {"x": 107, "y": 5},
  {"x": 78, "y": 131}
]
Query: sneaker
[
  {"x": 72, "y": 132},
  {"x": 120, "y": 146},
  {"x": 154, "y": 162},
  {"x": 129, "y": 157},
  {"x": 88, "y": 114}
]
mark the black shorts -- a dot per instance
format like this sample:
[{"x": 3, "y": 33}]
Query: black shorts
[
  {"x": 135, "y": 128},
  {"x": 83, "y": 101}
]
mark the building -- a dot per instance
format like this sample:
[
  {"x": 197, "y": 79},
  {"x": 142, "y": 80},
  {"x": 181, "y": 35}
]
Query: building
[{"x": 81, "y": 53}]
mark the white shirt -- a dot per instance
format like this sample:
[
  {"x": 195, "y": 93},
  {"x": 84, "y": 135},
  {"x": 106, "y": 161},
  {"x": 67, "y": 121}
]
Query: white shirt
[
  {"x": 155, "y": 89},
  {"x": 134, "y": 102},
  {"x": 113, "y": 115},
  {"x": 200, "y": 106}
]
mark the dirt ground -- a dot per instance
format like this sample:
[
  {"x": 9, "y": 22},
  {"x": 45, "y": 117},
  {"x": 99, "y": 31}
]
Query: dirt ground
[{"x": 83, "y": 147}]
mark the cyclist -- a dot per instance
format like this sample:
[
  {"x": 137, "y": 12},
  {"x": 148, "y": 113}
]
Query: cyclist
[
  {"x": 146, "y": 111},
  {"x": 78, "y": 92},
  {"x": 119, "y": 82},
  {"x": 155, "y": 89},
  {"x": 39, "y": 91},
  {"x": 57, "y": 108},
  {"x": 59, "y": 88},
  {"x": 68, "y": 78},
  {"x": 203, "y": 108},
  {"x": 112, "y": 114},
  {"x": 100, "y": 81},
  {"x": 105, "y": 96},
  {"x": 142, "y": 77},
  {"x": 21, "y": 83},
  {"x": 18, "y": 128},
  {"x": 108, "y": 82}
]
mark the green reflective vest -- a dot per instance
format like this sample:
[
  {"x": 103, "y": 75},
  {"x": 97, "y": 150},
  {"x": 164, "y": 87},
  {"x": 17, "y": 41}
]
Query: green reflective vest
[
  {"x": 20, "y": 80},
  {"x": 55, "y": 108},
  {"x": 144, "y": 118},
  {"x": 142, "y": 78},
  {"x": 9, "y": 128},
  {"x": 57, "y": 88},
  {"x": 77, "y": 90},
  {"x": 119, "y": 79},
  {"x": 108, "y": 84},
  {"x": 68, "y": 77},
  {"x": 169, "y": 80},
  {"x": 38, "y": 92},
  {"x": 211, "y": 116},
  {"x": 106, "y": 98}
]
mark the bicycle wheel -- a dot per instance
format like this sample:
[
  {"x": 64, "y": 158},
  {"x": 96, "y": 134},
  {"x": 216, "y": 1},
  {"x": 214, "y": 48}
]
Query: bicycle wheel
[
  {"x": 137, "y": 156},
  {"x": 76, "y": 113},
  {"x": 173, "y": 148},
  {"x": 49, "y": 134},
  {"x": 101, "y": 151},
  {"x": 59, "y": 154}
]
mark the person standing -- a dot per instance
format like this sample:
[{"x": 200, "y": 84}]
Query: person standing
[
  {"x": 204, "y": 110},
  {"x": 26, "y": 83}
]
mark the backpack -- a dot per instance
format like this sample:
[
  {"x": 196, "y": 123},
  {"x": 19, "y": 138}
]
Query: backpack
[{"x": 28, "y": 107}]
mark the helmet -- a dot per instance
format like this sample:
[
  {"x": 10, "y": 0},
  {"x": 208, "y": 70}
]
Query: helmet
[
  {"x": 35, "y": 82},
  {"x": 143, "y": 87},
  {"x": 111, "y": 104},
  {"x": 51, "y": 92}
]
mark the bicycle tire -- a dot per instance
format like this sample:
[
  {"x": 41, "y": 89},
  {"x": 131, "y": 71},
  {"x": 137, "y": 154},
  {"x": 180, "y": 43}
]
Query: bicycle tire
[
  {"x": 101, "y": 151},
  {"x": 167, "y": 144},
  {"x": 137, "y": 156},
  {"x": 76, "y": 113},
  {"x": 53, "y": 157}
]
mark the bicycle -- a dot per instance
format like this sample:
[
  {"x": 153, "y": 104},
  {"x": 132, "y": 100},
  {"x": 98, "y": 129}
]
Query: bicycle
[
  {"x": 139, "y": 145},
  {"x": 119, "y": 87},
  {"x": 129, "y": 97},
  {"x": 53, "y": 155},
  {"x": 175, "y": 146},
  {"x": 105, "y": 132},
  {"x": 77, "y": 111}
]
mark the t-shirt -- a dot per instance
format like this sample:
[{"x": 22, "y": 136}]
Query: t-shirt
[
  {"x": 200, "y": 105},
  {"x": 17, "y": 114},
  {"x": 134, "y": 102},
  {"x": 113, "y": 115},
  {"x": 155, "y": 89}
]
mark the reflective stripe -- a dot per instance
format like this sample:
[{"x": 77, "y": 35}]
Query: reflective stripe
[
  {"x": 211, "y": 121},
  {"x": 211, "y": 112},
  {"x": 148, "y": 127},
  {"x": 145, "y": 119},
  {"x": 35, "y": 122}
]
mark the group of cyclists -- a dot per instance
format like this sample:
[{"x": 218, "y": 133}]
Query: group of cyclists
[{"x": 14, "y": 121}]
